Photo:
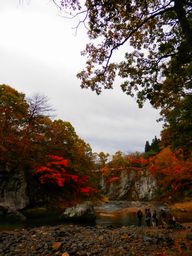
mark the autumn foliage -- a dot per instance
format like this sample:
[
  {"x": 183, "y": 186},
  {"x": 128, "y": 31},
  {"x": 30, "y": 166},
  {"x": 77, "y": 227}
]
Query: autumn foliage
[
  {"x": 53, "y": 172},
  {"x": 56, "y": 173},
  {"x": 172, "y": 172},
  {"x": 36, "y": 147},
  {"x": 55, "y": 160}
]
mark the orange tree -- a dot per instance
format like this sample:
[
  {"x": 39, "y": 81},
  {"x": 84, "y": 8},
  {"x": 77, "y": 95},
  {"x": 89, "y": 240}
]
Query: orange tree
[
  {"x": 173, "y": 174},
  {"x": 22, "y": 130},
  {"x": 28, "y": 136},
  {"x": 112, "y": 171},
  {"x": 13, "y": 112},
  {"x": 61, "y": 139},
  {"x": 120, "y": 162}
]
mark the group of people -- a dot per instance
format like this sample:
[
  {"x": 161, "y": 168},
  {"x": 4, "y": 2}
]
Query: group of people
[
  {"x": 163, "y": 218},
  {"x": 150, "y": 218}
]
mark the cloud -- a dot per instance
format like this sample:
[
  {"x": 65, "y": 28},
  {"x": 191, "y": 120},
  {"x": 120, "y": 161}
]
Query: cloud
[{"x": 40, "y": 54}]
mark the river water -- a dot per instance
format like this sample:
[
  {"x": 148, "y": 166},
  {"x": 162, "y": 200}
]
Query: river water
[
  {"x": 123, "y": 213},
  {"x": 114, "y": 213}
]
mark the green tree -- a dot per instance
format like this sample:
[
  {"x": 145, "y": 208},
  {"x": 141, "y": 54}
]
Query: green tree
[
  {"x": 174, "y": 99},
  {"x": 118, "y": 160},
  {"x": 155, "y": 145},
  {"x": 62, "y": 140},
  {"x": 147, "y": 146},
  {"x": 153, "y": 148},
  {"x": 102, "y": 158},
  {"x": 178, "y": 127}
]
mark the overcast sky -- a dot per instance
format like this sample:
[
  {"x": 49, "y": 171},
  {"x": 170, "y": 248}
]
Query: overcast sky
[{"x": 40, "y": 53}]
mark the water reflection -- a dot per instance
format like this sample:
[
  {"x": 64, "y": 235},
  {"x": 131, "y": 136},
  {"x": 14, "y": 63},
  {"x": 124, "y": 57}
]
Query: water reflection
[
  {"x": 115, "y": 214},
  {"x": 117, "y": 220},
  {"x": 124, "y": 213}
]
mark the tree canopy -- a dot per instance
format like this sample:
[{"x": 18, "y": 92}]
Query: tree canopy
[
  {"x": 150, "y": 33},
  {"x": 28, "y": 137},
  {"x": 155, "y": 38}
]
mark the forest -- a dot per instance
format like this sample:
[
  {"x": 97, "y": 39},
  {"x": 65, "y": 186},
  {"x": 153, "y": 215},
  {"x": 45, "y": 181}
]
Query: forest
[{"x": 59, "y": 166}]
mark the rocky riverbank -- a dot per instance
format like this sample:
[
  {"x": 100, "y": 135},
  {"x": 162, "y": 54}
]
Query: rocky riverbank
[{"x": 68, "y": 240}]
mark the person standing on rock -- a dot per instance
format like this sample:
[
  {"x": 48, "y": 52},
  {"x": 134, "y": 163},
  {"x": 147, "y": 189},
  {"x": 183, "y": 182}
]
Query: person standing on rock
[
  {"x": 139, "y": 217},
  {"x": 154, "y": 219},
  {"x": 148, "y": 217},
  {"x": 163, "y": 217}
]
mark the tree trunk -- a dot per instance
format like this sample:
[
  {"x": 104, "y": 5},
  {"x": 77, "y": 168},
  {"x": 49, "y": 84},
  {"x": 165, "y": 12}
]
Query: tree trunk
[{"x": 184, "y": 22}]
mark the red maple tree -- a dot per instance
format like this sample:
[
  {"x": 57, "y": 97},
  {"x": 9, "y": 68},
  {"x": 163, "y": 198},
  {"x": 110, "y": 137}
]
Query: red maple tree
[{"x": 56, "y": 172}]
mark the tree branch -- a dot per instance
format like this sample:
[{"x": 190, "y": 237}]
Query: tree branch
[
  {"x": 135, "y": 30},
  {"x": 56, "y": 4},
  {"x": 81, "y": 21}
]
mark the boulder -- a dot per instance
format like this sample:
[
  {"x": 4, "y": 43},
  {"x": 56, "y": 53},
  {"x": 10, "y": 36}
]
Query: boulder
[{"x": 83, "y": 212}]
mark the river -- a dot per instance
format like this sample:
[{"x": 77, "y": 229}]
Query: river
[
  {"x": 123, "y": 213},
  {"x": 113, "y": 213}
]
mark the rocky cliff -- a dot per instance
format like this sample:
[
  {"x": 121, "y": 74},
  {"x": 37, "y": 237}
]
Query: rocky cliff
[
  {"x": 130, "y": 186},
  {"x": 13, "y": 189}
]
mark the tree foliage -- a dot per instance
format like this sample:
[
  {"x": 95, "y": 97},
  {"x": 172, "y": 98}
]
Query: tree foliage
[
  {"x": 178, "y": 127},
  {"x": 171, "y": 171},
  {"x": 13, "y": 112},
  {"x": 147, "y": 146},
  {"x": 155, "y": 38},
  {"x": 153, "y": 148},
  {"x": 173, "y": 174},
  {"x": 150, "y": 32},
  {"x": 28, "y": 136},
  {"x": 56, "y": 173}
]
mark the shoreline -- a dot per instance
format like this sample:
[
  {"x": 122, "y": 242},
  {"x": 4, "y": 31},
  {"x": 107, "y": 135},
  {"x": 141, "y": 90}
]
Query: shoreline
[{"x": 68, "y": 240}]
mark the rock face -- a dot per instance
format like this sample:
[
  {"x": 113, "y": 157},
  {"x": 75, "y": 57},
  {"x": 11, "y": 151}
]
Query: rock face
[
  {"x": 81, "y": 212},
  {"x": 130, "y": 187},
  {"x": 13, "y": 190},
  {"x": 146, "y": 187}
]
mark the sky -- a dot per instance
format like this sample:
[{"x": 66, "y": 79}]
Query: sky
[{"x": 40, "y": 52}]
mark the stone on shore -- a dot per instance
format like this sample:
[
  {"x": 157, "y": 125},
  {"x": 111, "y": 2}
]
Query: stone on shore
[
  {"x": 83, "y": 212},
  {"x": 77, "y": 240}
]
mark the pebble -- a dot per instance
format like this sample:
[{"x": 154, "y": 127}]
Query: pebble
[{"x": 76, "y": 240}]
